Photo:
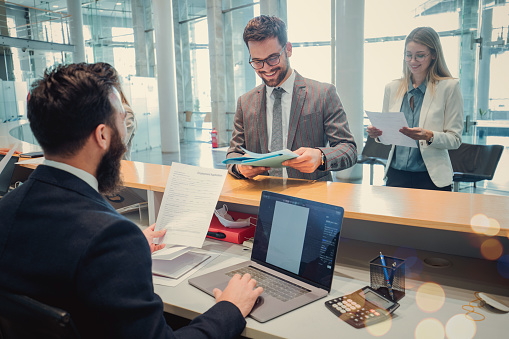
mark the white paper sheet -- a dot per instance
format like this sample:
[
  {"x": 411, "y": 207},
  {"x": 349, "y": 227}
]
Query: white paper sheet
[
  {"x": 37, "y": 161},
  {"x": 390, "y": 123},
  {"x": 158, "y": 280},
  {"x": 188, "y": 204},
  {"x": 170, "y": 252}
]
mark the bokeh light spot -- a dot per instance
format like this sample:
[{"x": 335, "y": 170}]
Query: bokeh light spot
[
  {"x": 381, "y": 328},
  {"x": 460, "y": 327},
  {"x": 479, "y": 223},
  {"x": 503, "y": 266},
  {"x": 430, "y": 328},
  {"x": 430, "y": 297},
  {"x": 491, "y": 249},
  {"x": 493, "y": 228}
]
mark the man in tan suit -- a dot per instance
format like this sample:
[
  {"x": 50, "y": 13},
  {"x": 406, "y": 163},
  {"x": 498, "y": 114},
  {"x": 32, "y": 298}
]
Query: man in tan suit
[{"x": 288, "y": 111}]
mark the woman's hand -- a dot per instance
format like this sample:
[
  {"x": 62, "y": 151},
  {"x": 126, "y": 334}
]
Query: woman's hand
[
  {"x": 373, "y": 132},
  {"x": 417, "y": 133}
]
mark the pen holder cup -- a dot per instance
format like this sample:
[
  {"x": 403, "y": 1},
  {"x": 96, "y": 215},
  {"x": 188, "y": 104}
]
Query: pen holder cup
[{"x": 395, "y": 270}]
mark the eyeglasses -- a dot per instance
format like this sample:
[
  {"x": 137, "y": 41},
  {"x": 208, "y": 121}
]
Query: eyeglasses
[
  {"x": 418, "y": 57},
  {"x": 271, "y": 61}
]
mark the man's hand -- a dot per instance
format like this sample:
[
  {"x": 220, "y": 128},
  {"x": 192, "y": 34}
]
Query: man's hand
[
  {"x": 373, "y": 132},
  {"x": 308, "y": 161},
  {"x": 240, "y": 292},
  {"x": 417, "y": 133},
  {"x": 251, "y": 171},
  {"x": 150, "y": 234}
]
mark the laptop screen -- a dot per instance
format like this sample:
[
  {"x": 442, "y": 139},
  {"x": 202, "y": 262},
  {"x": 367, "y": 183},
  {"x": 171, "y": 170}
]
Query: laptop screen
[{"x": 298, "y": 237}]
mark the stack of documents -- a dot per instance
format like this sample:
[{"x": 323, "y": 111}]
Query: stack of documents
[{"x": 272, "y": 159}]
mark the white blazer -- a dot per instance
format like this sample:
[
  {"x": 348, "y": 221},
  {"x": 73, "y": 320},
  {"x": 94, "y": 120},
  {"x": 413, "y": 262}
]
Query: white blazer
[{"x": 442, "y": 113}]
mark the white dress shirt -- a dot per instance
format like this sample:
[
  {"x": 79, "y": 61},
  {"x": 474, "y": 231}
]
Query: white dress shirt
[
  {"x": 83, "y": 175},
  {"x": 286, "y": 104}
]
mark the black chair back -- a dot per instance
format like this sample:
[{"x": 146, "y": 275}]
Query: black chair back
[
  {"x": 374, "y": 152},
  {"x": 473, "y": 163},
  {"x": 22, "y": 317}
]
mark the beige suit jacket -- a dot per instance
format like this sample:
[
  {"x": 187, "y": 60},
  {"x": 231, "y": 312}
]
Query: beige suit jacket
[{"x": 442, "y": 113}]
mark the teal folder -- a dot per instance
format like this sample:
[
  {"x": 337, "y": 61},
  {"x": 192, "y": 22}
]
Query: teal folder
[{"x": 272, "y": 159}]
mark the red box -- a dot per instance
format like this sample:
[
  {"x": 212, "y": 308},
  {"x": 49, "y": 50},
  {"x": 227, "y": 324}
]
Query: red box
[{"x": 234, "y": 235}]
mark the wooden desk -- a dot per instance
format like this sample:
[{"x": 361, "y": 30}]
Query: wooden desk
[{"x": 448, "y": 211}]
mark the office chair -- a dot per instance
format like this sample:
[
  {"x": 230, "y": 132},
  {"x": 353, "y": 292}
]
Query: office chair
[
  {"x": 472, "y": 163},
  {"x": 22, "y": 317},
  {"x": 374, "y": 153}
]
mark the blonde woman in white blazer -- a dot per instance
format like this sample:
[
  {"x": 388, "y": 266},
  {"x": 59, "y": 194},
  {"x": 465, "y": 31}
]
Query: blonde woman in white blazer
[{"x": 433, "y": 105}]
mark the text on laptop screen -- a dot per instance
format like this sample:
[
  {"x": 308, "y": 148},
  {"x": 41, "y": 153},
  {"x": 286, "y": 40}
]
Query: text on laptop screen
[{"x": 298, "y": 236}]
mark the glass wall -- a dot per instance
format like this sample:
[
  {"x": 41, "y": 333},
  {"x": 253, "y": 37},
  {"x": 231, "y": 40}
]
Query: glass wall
[
  {"x": 309, "y": 31},
  {"x": 240, "y": 75}
]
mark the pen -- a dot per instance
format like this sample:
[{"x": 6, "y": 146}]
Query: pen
[{"x": 389, "y": 285}]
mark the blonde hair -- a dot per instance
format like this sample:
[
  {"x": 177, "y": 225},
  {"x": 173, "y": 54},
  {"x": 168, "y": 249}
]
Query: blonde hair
[{"x": 437, "y": 69}]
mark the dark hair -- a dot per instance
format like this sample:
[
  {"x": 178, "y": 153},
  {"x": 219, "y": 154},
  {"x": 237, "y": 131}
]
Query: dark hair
[
  {"x": 67, "y": 105},
  {"x": 263, "y": 27},
  {"x": 107, "y": 71}
]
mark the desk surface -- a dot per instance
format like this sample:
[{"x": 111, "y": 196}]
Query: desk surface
[
  {"x": 314, "y": 320},
  {"x": 451, "y": 211}
]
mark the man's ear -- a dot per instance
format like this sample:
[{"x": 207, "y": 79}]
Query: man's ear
[
  {"x": 102, "y": 136},
  {"x": 289, "y": 49}
]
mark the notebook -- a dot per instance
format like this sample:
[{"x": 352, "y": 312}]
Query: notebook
[{"x": 294, "y": 250}]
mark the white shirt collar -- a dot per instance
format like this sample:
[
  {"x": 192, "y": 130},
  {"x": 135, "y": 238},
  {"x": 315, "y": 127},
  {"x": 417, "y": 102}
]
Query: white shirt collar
[
  {"x": 83, "y": 175},
  {"x": 287, "y": 85}
]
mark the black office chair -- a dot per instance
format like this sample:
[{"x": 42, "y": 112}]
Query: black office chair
[
  {"x": 473, "y": 163},
  {"x": 374, "y": 153},
  {"x": 22, "y": 317}
]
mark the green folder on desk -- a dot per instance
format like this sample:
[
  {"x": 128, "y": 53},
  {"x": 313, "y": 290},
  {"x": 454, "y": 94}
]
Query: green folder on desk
[{"x": 272, "y": 159}]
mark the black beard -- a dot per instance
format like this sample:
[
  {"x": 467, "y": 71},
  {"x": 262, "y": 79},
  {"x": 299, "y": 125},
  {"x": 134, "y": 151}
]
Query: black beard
[{"x": 108, "y": 171}]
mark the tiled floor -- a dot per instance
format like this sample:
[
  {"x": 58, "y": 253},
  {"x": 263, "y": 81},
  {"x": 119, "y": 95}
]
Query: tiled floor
[{"x": 202, "y": 154}]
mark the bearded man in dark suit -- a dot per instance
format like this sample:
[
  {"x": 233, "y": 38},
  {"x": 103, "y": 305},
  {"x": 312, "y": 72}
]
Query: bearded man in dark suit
[{"x": 61, "y": 243}]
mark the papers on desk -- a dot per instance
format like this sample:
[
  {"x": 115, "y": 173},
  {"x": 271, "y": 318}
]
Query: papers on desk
[
  {"x": 188, "y": 204},
  {"x": 272, "y": 159},
  {"x": 171, "y": 266},
  {"x": 390, "y": 123},
  {"x": 27, "y": 161}
]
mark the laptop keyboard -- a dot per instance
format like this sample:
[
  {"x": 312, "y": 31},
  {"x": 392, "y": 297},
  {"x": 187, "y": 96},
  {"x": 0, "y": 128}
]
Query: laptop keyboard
[{"x": 272, "y": 285}]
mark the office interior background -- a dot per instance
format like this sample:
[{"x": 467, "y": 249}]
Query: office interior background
[{"x": 212, "y": 69}]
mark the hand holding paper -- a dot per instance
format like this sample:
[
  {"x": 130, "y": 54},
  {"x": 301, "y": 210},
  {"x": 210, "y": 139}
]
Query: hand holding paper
[
  {"x": 390, "y": 124},
  {"x": 188, "y": 204}
]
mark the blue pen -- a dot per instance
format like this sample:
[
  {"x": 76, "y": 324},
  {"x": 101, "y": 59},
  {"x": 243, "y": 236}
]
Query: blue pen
[{"x": 389, "y": 285}]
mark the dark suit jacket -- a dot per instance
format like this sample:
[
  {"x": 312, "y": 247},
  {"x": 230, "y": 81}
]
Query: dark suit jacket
[
  {"x": 61, "y": 243},
  {"x": 317, "y": 120}
]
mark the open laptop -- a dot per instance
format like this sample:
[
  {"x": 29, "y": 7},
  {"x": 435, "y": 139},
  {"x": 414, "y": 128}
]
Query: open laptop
[{"x": 295, "y": 244}]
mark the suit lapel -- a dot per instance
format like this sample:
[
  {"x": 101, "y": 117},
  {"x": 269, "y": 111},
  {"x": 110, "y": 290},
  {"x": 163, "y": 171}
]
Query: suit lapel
[
  {"x": 298, "y": 99},
  {"x": 260, "y": 110}
]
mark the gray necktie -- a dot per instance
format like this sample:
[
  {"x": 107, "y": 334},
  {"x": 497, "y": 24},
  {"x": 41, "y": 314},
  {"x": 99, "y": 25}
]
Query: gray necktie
[{"x": 276, "y": 141}]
